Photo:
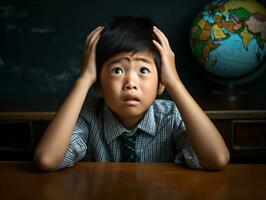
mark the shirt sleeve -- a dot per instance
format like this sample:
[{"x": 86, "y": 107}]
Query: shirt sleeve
[
  {"x": 77, "y": 148},
  {"x": 191, "y": 158},
  {"x": 184, "y": 150}
]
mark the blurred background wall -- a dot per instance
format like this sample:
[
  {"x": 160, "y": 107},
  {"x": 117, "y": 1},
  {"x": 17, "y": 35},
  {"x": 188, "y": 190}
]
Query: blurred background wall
[{"x": 41, "y": 42}]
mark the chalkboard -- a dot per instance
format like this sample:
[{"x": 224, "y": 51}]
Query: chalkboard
[
  {"x": 41, "y": 41},
  {"x": 39, "y": 54}
]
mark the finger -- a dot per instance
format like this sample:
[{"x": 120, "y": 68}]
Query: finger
[
  {"x": 93, "y": 31},
  {"x": 95, "y": 35},
  {"x": 161, "y": 36},
  {"x": 89, "y": 37},
  {"x": 92, "y": 38},
  {"x": 164, "y": 42},
  {"x": 87, "y": 53},
  {"x": 93, "y": 46},
  {"x": 159, "y": 47}
]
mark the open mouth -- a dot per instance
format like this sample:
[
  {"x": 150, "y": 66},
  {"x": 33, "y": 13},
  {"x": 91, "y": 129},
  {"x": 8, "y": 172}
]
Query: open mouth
[{"x": 131, "y": 100}]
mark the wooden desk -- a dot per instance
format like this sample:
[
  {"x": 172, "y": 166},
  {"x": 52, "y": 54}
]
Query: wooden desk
[
  {"x": 21, "y": 180},
  {"x": 242, "y": 123}
]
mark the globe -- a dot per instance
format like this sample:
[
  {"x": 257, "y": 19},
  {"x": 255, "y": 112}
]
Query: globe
[{"x": 228, "y": 38}]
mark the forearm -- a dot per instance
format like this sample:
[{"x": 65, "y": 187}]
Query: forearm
[
  {"x": 53, "y": 144},
  {"x": 203, "y": 135}
]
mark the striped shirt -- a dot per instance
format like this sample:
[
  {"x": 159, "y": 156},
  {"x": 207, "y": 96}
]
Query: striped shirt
[{"x": 161, "y": 136}]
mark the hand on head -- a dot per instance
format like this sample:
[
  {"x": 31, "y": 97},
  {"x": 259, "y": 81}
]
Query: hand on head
[
  {"x": 88, "y": 67},
  {"x": 168, "y": 67}
]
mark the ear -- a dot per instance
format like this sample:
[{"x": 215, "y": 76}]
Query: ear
[{"x": 160, "y": 89}]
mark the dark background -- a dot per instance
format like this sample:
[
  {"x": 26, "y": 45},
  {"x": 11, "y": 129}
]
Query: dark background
[{"x": 41, "y": 42}]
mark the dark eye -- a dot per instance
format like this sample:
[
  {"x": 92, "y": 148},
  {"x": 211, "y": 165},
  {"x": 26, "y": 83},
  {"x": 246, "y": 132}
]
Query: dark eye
[
  {"x": 117, "y": 70},
  {"x": 144, "y": 70}
]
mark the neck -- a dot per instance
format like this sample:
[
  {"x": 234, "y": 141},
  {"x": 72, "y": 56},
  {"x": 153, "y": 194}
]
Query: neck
[{"x": 129, "y": 122}]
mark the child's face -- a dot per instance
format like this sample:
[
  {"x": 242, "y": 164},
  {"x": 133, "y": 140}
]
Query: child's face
[{"x": 129, "y": 84}]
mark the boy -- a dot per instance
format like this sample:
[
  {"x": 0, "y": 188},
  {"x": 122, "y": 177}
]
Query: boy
[{"x": 129, "y": 62}]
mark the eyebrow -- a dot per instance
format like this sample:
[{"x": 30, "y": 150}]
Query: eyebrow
[{"x": 128, "y": 59}]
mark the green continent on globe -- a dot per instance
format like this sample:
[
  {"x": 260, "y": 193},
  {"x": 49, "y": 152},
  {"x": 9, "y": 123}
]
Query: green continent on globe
[{"x": 229, "y": 37}]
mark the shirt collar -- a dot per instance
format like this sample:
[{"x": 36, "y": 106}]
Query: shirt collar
[
  {"x": 148, "y": 124},
  {"x": 113, "y": 128}
]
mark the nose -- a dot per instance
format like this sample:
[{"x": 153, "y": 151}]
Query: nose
[
  {"x": 129, "y": 86},
  {"x": 130, "y": 83}
]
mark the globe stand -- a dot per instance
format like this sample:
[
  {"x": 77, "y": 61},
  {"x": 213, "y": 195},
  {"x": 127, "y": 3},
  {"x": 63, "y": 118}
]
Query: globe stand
[
  {"x": 228, "y": 90},
  {"x": 229, "y": 93}
]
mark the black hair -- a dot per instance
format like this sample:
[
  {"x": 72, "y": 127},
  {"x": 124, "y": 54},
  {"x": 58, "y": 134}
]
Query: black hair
[{"x": 126, "y": 34}]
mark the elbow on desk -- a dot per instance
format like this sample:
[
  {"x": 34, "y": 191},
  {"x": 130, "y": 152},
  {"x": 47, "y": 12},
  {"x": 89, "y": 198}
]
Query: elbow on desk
[
  {"x": 45, "y": 163},
  {"x": 219, "y": 163},
  {"x": 222, "y": 162}
]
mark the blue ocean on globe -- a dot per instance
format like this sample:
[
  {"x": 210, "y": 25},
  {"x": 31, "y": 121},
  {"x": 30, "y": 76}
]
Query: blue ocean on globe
[
  {"x": 228, "y": 38},
  {"x": 232, "y": 59}
]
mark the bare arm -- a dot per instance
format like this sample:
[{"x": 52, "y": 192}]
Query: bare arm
[
  {"x": 52, "y": 147},
  {"x": 203, "y": 135}
]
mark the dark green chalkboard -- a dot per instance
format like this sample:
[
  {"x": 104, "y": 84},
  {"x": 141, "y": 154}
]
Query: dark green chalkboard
[{"x": 41, "y": 41}]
